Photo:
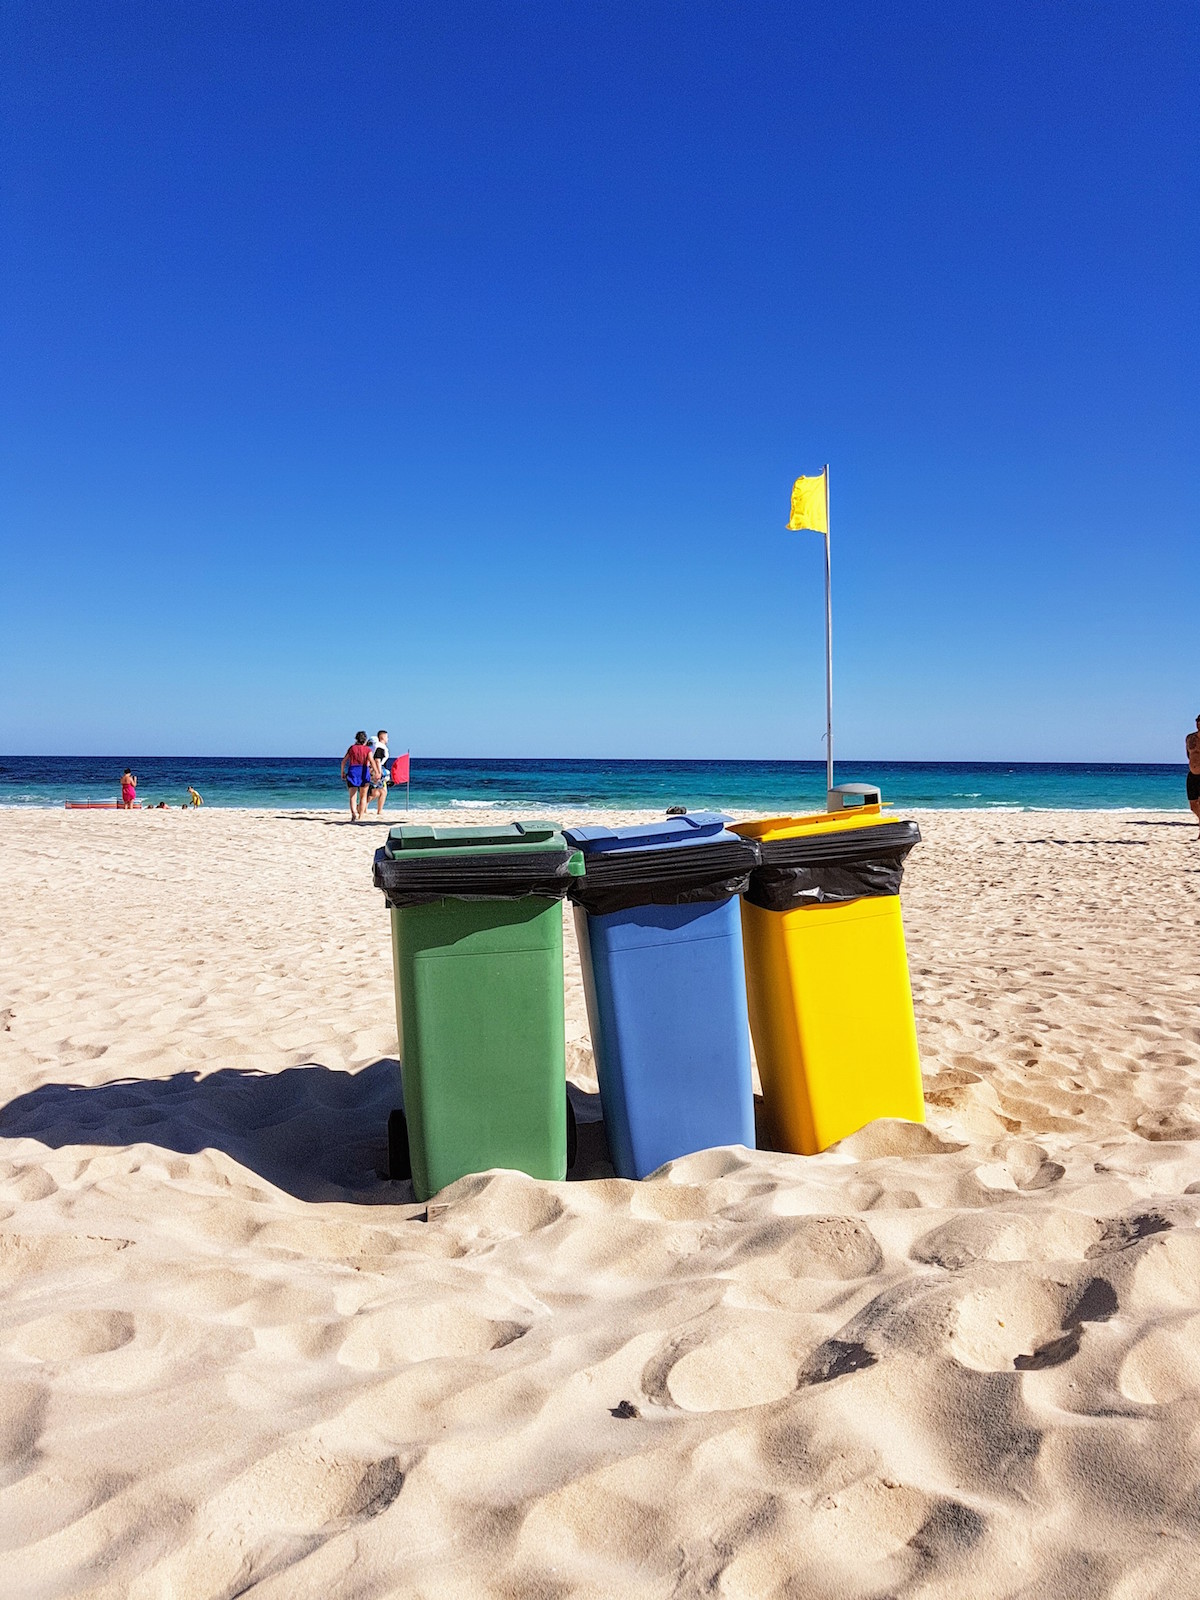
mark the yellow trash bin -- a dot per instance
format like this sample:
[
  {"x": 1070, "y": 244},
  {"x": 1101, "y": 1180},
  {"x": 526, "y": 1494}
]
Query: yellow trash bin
[{"x": 831, "y": 1008}]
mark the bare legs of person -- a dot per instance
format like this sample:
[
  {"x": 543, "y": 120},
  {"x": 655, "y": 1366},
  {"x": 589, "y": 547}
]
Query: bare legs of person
[
  {"x": 353, "y": 793},
  {"x": 362, "y": 802},
  {"x": 1194, "y": 808},
  {"x": 380, "y": 797}
]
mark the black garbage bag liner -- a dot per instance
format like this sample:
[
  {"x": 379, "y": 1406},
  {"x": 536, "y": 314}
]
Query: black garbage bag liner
[
  {"x": 618, "y": 880},
  {"x": 418, "y": 880},
  {"x": 824, "y": 869}
]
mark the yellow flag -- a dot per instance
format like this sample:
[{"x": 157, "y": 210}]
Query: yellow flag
[{"x": 808, "y": 504}]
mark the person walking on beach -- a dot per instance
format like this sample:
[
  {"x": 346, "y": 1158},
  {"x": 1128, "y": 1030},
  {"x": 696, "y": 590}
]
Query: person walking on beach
[
  {"x": 379, "y": 780},
  {"x": 1192, "y": 745},
  {"x": 129, "y": 786},
  {"x": 356, "y": 775},
  {"x": 377, "y": 776}
]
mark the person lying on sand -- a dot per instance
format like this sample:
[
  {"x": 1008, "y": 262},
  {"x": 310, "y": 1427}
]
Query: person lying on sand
[{"x": 1192, "y": 745}]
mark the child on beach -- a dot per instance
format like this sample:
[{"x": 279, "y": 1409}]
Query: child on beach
[
  {"x": 128, "y": 790},
  {"x": 194, "y": 797}
]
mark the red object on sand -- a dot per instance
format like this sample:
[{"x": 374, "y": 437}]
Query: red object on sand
[{"x": 400, "y": 769}]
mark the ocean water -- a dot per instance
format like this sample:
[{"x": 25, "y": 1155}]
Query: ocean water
[{"x": 535, "y": 787}]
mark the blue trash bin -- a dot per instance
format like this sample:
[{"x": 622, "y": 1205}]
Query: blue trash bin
[{"x": 660, "y": 942}]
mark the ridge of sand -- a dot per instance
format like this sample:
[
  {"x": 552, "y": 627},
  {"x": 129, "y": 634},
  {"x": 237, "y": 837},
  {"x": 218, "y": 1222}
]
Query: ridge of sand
[{"x": 950, "y": 1361}]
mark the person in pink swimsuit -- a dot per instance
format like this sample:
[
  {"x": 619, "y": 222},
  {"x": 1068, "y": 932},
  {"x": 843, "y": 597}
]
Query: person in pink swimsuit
[{"x": 128, "y": 790}]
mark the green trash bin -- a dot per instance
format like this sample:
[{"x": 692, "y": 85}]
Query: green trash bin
[{"x": 477, "y": 951}]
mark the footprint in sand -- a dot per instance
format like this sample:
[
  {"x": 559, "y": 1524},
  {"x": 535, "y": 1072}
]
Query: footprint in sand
[
  {"x": 500, "y": 1205},
  {"x": 70, "y": 1051},
  {"x": 869, "y": 1520},
  {"x": 746, "y": 1362},
  {"x": 1164, "y": 1365},
  {"x": 840, "y": 1248},
  {"x": 71, "y": 1335},
  {"x": 1166, "y": 1273},
  {"x": 1028, "y": 1166},
  {"x": 1007, "y": 1236},
  {"x": 591, "y": 1519},
  {"x": 996, "y": 1323},
  {"x": 404, "y": 1334},
  {"x": 298, "y": 1491},
  {"x": 1026, "y": 1324},
  {"x": 220, "y": 1289},
  {"x": 304, "y": 1342},
  {"x": 30, "y": 1183}
]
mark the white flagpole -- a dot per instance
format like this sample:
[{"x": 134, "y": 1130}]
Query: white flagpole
[{"x": 828, "y": 649}]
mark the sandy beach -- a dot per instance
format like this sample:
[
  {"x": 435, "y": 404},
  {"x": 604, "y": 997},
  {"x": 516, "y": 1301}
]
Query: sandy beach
[{"x": 957, "y": 1360}]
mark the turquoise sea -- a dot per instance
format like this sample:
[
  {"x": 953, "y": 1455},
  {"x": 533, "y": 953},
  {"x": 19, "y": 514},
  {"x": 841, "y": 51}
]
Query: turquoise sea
[{"x": 532, "y": 786}]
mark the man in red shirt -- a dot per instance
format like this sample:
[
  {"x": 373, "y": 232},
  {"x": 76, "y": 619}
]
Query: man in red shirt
[{"x": 356, "y": 775}]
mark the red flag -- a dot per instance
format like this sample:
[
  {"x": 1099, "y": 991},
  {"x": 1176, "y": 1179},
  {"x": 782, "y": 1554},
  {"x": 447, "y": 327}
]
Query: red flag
[{"x": 400, "y": 769}]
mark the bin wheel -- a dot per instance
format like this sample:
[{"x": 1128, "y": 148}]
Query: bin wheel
[
  {"x": 399, "y": 1159},
  {"x": 572, "y": 1135}
]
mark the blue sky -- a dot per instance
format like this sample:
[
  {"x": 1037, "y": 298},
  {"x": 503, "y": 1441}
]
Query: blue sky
[{"x": 448, "y": 366}]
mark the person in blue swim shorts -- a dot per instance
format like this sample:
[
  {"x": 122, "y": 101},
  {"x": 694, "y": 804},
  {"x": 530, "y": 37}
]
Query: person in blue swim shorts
[{"x": 356, "y": 775}]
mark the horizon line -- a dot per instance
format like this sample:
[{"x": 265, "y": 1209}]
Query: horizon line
[{"x": 816, "y": 762}]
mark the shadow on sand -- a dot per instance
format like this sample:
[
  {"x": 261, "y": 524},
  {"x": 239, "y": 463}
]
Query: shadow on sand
[
  {"x": 320, "y": 1135},
  {"x": 388, "y": 821}
]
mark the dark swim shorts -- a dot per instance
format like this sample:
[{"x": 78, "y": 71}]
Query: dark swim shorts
[{"x": 1193, "y": 785}]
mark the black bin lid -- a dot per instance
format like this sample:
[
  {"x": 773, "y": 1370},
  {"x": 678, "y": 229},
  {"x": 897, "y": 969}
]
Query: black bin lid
[{"x": 497, "y": 861}]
